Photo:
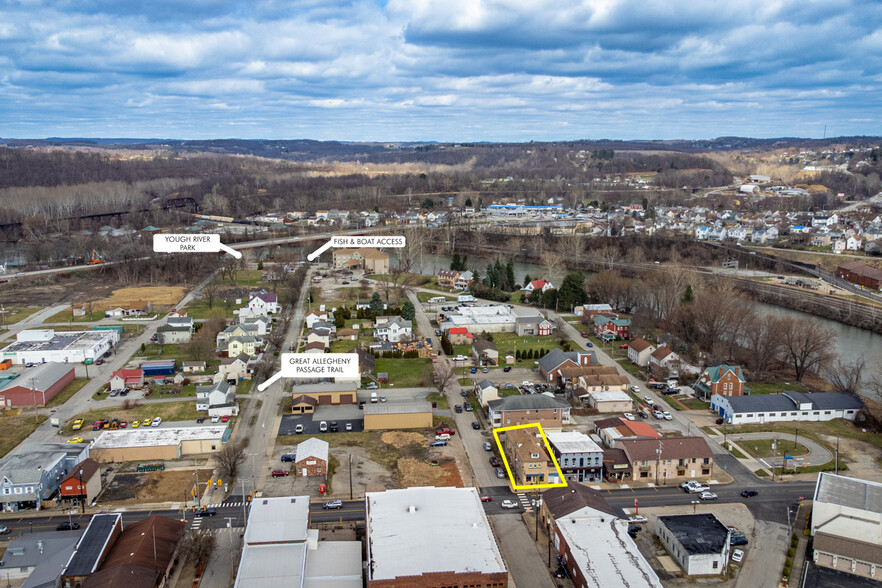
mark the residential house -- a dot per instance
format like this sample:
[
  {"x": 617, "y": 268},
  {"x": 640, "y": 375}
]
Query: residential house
[
  {"x": 393, "y": 328},
  {"x": 663, "y": 357},
  {"x": 853, "y": 243},
  {"x": 233, "y": 369},
  {"x": 615, "y": 429},
  {"x": 787, "y": 406},
  {"x": 591, "y": 541},
  {"x": 551, "y": 364},
  {"x": 193, "y": 367},
  {"x": 447, "y": 278},
  {"x": 528, "y": 457},
  {"x": 533, "y": 325},
  {"x": 322, "y": 336},
  {"x": 238, "y": 345},
  {"x": 176, "y": 330},
  {"x": 127, "y": 378},
  {"x": 486, "y": 391},
  {"x": 639, "y": 351},
  {"x": 579, "y": 457},
  {"x": 256, "y": 325},
  {"x": 311, "y": 458},
  {"x": 315, "y": 347},
  {"x": 245, "y": 329},
  {"x": 347, "y": 335},
  {"x": 541, "y": 285},
  {"x": 669, "y": 460},
  {"x": 610, "y": 401},
  {"x": 724, "y": 380},
  {"x": 609, "y": 328},
  {"x": 552, "y": 413},
  {"x": 846, "y": 526},
  {"x": 460, "y": 336},
  {"x": 33, "y": 472},
  {"x": 82, "y": 484},
  {"x": 218, "y": 399},
  {"x": 700, "y": 543},
  {"x": 464, "y": 281},
  {"x": 139, "y": 308},
  {"x": 484, "y": 352},
  {"x": 589, "y": 311},
  {"x": 313, "y": 316}
]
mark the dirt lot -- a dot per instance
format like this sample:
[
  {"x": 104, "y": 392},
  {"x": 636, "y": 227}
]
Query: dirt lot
[
  {"x": 149, "y": 487},
  {"x": 159, "y": 295}
]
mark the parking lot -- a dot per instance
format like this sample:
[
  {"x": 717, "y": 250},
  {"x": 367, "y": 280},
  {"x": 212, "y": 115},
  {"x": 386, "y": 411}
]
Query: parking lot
[{"x": 310, "y": 423}]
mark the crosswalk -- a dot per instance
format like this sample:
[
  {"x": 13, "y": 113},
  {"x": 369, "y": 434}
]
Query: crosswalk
[
  {"x": 224, "y": 504},
  {"x": 525, "y": 502}
]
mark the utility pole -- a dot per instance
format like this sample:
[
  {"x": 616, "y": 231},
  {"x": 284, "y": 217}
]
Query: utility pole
[
  {"x": 350, "y": 476},
  {"x": 837, "y": 456},
  {"x": 658, "y": 453},
  {"x": 244, "y": 516},
  {"x": 775, "y": 457},
  {"x": 34, "y": 390},
  {"x": 196, "y": 487},
  {"x": 83, "y": 493}
]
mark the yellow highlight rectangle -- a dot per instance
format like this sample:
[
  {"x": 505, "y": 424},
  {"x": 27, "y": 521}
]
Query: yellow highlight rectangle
[{"x": 514, "y": 484}]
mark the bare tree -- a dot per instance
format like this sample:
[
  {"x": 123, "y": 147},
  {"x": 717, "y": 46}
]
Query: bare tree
[
  {"x": 608, "y": 256},
  {"x": 761, "y": 338},
  {"x": 229, "y": 459},
  {"x": 210, "y": 292},
  {"x": 443, "y": 375},
  {"x": 846, "y": 376},
  {"x": 806, "y": 345},
  {"x": 196, "y": 547}
]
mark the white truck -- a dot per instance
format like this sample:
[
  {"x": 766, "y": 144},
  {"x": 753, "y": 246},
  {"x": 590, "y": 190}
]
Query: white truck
[
  {"x": 465, "y": 298},
  {"x": 374, "y": 398}
]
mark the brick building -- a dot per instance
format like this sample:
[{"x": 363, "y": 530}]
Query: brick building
[
  {"x": 860, "y": 274},
  {"x": 725, "y": 380},
  {"x": 551, "y": 413},
  {"x": 311, "y": 458},
  {"x": 680, "y": 459},
  {"x": 37, "y": 385}
]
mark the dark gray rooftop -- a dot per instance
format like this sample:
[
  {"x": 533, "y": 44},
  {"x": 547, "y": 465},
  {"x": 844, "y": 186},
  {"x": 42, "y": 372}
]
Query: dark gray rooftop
[
  {"x": 528, "y": 402},
  {"x": 788, "y": 399},
  {"x": 42, "y": 377},
  {"x": 93, "y": 545},
  {"x": 850, "y": 492},
  {"x": 698, "y": 534}
]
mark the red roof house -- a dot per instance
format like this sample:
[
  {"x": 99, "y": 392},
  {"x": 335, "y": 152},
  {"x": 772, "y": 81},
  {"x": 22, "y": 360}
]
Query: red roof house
[{"x": 127, "y": 378}]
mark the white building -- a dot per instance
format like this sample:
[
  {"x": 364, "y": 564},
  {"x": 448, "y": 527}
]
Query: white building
[
  {"x": 847, "y": 525},
  {"x": 393, "y": 329},
  {"x": 579, "y": 457},
  {"x": 44, "y": 345},
  {"x": 218, "y": 399},
  {"x": 699, "y": 542},
  {"x": 787, "y": 406},
  {"x": 418, "y": 532}
]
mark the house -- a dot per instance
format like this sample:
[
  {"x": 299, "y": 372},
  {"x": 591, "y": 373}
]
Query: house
[
  {"x": 853, "y": 243},
  {"x": 591, "y": 541},
  {"x": 347, "y": 335},
  {"x": 256, "y": 325},
  {"x": 139, "y": 308},
  {"x": 314, "y": 347},
  {"x": 371, "y": 260},
  {"x": 260, "y": 304},
  {"x": 663, "y": 357},
  {"x": 609, "y": 328},
  {"x": 787, "y": 406},
  {"x": 39, "y": 558},
  {"x": 551, "y": 413},
  {"x": 314, "y": 316},
  {"x": 484, "y": 352},
  {"x": 239, "y": 345},
  {"x": 219, "y": 399},
  {"x": 459, "y": 336},
  {"x": 541, "y": 285},
  {"x": 393, "y": 328},
  {"x": 448, "y": 278},
  {"x": 486, "y": 391},
  {"x": 242, "y": 329},
  {"x": 33, "y": 472},
  {"x": 37, "y": 385},
  {"x": 82, "y": 484},
  {"x": 611, "y": 401},
  {"x": 861, "y": 274},
  {"x": 307, "y": 397},
  {"x": 579, "y": 457},
  {"x": 169, "y": 335},
  {"x": 846, "y": 526},
  {"x": 528, "y": 457},
  {"x": 597, "y": 379},
  {"x": 669, "y": 459},
  {"x": 402, "y": 533},
  {"x": 724, "y": 380},
  {"x": 464, "y": 281},
  {"x": 322, "y": 336},
  {"x": 613, "y": 430},
  {"x": 311, "y": 458},
  {"x": 127, "y": 378},
  {"x": 555, "y": 360},
  {"x": 533, "y": 325},
  {"x": 698, "y": 542},
  {"x": 639, "y": 351},
  {"x": 233, "y": 369},
  {"x": 193, "y": 367},
  {"x": 589, "y": 311}
]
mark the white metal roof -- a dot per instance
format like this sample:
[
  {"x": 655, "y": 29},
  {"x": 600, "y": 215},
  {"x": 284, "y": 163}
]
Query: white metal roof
[
  {"x": 610, "y": 396},
  {"x": 312, "y": 447},
  {"x": 272, "y": 565},
  {"x": 278, "y": 520},
  {"x": 572, "y": 442},
  {"x": 155, "y": 436},
  {"x": 413, "y": 531}
]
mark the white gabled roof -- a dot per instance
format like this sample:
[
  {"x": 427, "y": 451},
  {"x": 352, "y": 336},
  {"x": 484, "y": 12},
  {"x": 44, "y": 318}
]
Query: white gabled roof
[{"x": 312, "y": 447}]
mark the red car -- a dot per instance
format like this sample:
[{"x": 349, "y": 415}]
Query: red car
[
  {"x": 280, "y": 473},
  {"x": 494, "y": 462},
  {"x": 225, "y": 418},
  {"x": 445, "y": 429},
  {"x": 584, "y": 334},
  {"x": 623, "y": 346},
  {"x": 123, "y": 424},
  {"x": 485, "y": 498}
]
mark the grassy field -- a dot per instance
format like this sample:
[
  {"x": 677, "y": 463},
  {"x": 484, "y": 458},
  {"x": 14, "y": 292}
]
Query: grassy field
[
  {"x": 634, "y": 370},
  {"x": 695, "y": 403},
  {"x": 509, "y": 342},
  {"x": 15, "y": 315},
  {"x": 370, "y": 441},
  {"x": 343, "y": 346},
  {"x": 763, "y": 447},
  {"x": 66, "y": 316},
  {"x": 68, "y": 392},
  {"x": 406, "y": 373},
  {"x": 16, "y": 427},
  {"x": 169, "y": 411},
  {"x": 670, "y": 402},
  {"x": 464, "y": 349},
  {"x": 337, "y": 296},
  {"x": 774, "y": 387},
  {"x": 244, "y": 278},
  {"x": 440, "y": 399},
  {"x": 198, "y": 309}
]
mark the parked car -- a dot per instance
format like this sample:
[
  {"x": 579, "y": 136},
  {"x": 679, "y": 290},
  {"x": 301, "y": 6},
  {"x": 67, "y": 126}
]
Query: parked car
[
  {"x": 67, "y": 527},
  {"x": 280, "y": 473},
  {"x": 225, "y": 418},
  {"x": 737, "y": 540},
  {"x": 494, "y": 462},
  {"x": 708, "y": 496},
  {"x": 136, "y": 424},
  {"x": 382, "y": 399},
  {"x": 348, "y": 426},
  {"x": 647, "y": 400},
  {"x": 75, "y": 440},
  {"x": 298, "y": 429},
  {"x": 468, "y": 406},
  {"x": 737, "y": 556},
  {"x": 589, "y": 344},
  {"x": 623, "y": 346},
  {"x": 156, "y": 422},
  {"x": 637, "y": 519},
  {"x": 333, "y": 504},
  {"x": 476, "y": 425},
  {"x": 77, "y": 425},
  {"x": 642, "y": 414},
  {"x": 634, "y": 389},
  {"x": 487, "y": 446},
  {"x": 147, "y": 422},
  {"x": 507, "y": 368},
  {"x": 445, "y": 429},
  {"x": 457, "y": 408},
  {"x": 333, "y": 428},
  {"x": 633, "y": 530},
  {"x": 323, "y": 427},
  {"x": 200, "y": 420},
  {"x": 748, "y": 493},
  {"x": 123, "y": 424},
  {"x": 464, "y": 393},
  {"x": 4, "y": 530},
  {"x": 114, "y": 393},
  {"x": 486, "y": 498},
  {"x": 474, "y": 370},
  {"x": 629, "y": 416},
  {"x": 500, "y": 473},
  {"x": 508, "y": 504},
  {"x": 485, "y": 370},
  {"x": 215, "y": 419},
  {"x": 584, "y": 334},
  {"x": 667, "y": 416},
  {"x": 719, "y": 421},
  {"x": 99, "y": 361},
  {"x": 288, "y": 456},
  {"x": 658, "y": 414},
  {"x": 439, "y": 443}
]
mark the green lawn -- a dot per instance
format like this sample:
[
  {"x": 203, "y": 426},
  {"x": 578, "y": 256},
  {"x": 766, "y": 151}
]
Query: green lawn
[
  {"x": 67, "y": 316},
  {"x": 245, "y": 278},
  {"x": 198, "y": 309},
  {"x": 509, "y": 342},
  {"x": 634, "y": 370},
  {"x": 68, "y": 392},
  {"x": 505, "y": 392},
  {"x": 169, "y": 411},
  {"x": 16, "y": 425},
  {"x": 774, "y": 387},
  {"x": 670, "y": 402},
  {"x": 406, "y": 373},
  {"x": 695, "y": 403},
  {"x": 343, "y": 346},
  {"x": 339, "y": 296},
  {"x": 464, "y": 349},
  {"x": 466, "y": 382},
  {"x": 814, "y": 431},
  {"x": 827, "y": 467},
  {"x": 14, "y": 315},
  {"x": 763, "y": 447},
  {"x": 440, "y": 399}
]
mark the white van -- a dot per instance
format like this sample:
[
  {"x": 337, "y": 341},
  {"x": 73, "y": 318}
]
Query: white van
[
  {"x": 374, "y": 397},
  {"x": 442, "y": 437}
]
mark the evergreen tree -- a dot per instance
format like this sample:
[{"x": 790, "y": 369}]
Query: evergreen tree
[
  {"x": 511, "y": 284},
  {"x": 688, "y": 295},
  {"x": 408, "y": 311},
  {"x": 468, "y": 201},
  {"x": 338, "y": 320},
  {"x": 527, "y": 280},
  {"x": 376, "y": 304},
  {"x": 572, "y": 291}
]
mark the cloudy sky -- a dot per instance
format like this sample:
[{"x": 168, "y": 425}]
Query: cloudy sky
[{"x": 447, "y": 70}]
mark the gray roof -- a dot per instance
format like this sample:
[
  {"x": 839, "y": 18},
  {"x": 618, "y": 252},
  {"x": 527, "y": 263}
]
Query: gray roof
[
  {"x": 698, "y": 534},
  {"x": 527, "y": 402},
  {"x": 410, "y": 407},
  {"x": 24, "y": 550},
  {"x": 30, "y": 459},
  {"x": 93, "y": 545},
  {"x": 556, "y": 357},
  {"x": 850, "y": 492},
  {"x": 787, "y": 401},
  {"x": 484, "y": 384},
  {"x": 44, "y": 376}
]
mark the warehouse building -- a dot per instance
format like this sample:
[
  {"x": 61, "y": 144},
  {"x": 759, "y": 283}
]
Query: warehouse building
[
  {"x": 699, "y": 543},
  {"x": 496, "y": 318},
  {"x": 37, "y": 385},
  {"x": 44, "y": 345},
  {"x": 158, "y": 443},
  {"x": 406, "y": 527},
  {"x": 861, "y": 274},
  {"x": 787, "y": 406},
  {"x": 397, "y": 415}
]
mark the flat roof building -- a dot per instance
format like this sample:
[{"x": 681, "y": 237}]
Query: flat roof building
[
  {"x": 404, "y": 528},
  {"x": 38, "y": 384},
  {"x": 151, "y": 443},
  {"x": 699, "y": 543},
  {"x": 497, "y": 318},
  {"x": 45, "y": 345},
  {"x": 415, "y": 414},
  {"x": 787, "y": 406}
]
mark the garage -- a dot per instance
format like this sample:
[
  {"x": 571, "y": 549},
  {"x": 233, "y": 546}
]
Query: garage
[{"x": 397, "y": 415}]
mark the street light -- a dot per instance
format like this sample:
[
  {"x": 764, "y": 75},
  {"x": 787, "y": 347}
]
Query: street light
[{"x": 83, "y": 495}]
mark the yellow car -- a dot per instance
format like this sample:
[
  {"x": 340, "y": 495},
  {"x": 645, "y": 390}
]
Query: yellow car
[
  {"x": 147, "y": 422},
  {"x": 77, "y": 424},
  {"x": 136, "y": 424},
  {"x": 75, "y": 440}
]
